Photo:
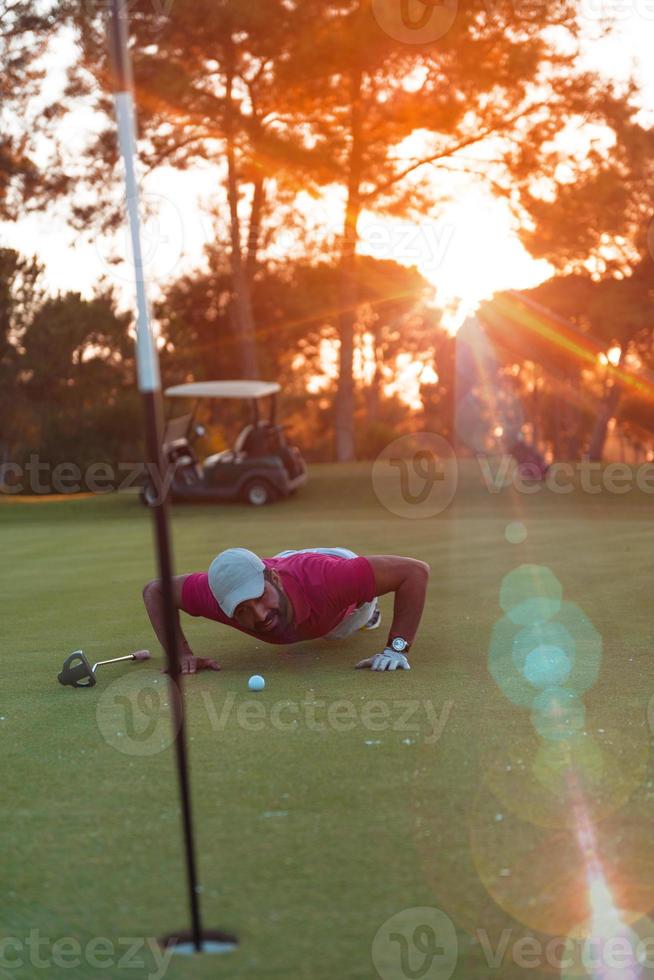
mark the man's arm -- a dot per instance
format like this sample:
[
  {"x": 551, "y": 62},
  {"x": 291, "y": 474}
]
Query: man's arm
[
  {"x": 153, "y": 599},
  {"x": 408, "y": 579}
]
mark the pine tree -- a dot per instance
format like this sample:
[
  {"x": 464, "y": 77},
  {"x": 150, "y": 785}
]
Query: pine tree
[
  {"x": 489, "y": 88},
  {"x": 25, "y": 29},
  {"x": 206, "y": 92}
]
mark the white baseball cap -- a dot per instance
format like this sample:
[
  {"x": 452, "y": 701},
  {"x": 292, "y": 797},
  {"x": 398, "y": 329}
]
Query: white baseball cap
[{"x": 235, "y": 576}]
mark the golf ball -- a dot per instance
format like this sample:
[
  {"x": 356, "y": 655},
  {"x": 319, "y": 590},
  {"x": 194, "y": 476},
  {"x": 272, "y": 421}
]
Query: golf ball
[{"x": 256, "y": 683}]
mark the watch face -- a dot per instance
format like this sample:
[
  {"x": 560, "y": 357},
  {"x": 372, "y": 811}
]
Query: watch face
[{"x": 399, "y": 645}]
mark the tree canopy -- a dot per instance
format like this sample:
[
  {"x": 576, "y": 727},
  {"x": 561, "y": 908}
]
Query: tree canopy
[{"x": 308, "y": 95}]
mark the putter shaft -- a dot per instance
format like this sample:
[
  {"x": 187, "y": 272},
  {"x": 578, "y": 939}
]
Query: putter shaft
[{"x": 116, "y": 660}]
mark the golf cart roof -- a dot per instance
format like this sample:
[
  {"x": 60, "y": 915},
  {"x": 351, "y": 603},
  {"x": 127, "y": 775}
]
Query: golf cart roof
[{"x": 224, "y": 389}]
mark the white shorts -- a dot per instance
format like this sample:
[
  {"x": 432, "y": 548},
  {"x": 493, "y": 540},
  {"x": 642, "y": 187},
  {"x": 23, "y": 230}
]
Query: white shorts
[{"x": 356, "y": 619}]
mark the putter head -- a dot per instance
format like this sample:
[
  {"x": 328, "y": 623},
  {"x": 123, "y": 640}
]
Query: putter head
[{"x": 76, "y": 671}]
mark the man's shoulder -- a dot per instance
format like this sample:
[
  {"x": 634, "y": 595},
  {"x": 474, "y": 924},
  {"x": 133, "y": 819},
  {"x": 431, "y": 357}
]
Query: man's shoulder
[
  {"x": 197, "y": 599},
  {"x": 299, "y": 559},
  {"x": 334, "y": 574},
  {"x": 304, "y": 566},
  {"x": 194, "y": 579}
]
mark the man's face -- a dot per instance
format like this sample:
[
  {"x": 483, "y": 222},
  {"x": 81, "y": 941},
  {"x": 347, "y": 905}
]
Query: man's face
[{"x": 270, "y": 613}]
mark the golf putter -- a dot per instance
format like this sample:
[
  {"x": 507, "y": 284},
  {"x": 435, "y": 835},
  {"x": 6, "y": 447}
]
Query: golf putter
[{"x": 78, "y": 672}]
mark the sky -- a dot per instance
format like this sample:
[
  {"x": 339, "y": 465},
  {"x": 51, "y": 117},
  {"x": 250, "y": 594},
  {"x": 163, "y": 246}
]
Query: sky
[{"x": 467, "y": 253}]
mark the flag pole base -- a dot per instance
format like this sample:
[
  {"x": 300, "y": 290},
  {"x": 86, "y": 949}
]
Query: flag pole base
[{"x": 212, "y": 941}]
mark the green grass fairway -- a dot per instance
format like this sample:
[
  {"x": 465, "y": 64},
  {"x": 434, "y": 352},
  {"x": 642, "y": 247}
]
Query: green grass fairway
[{"x": 316, "y": 822}]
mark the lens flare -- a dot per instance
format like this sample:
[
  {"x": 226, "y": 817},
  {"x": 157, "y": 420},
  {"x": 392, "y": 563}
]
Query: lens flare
[
  {"x": 630, "y": 948},
  {"x": 515, "y": 532},
  {"x": 557, "y": 713},
  {"x": 526, "y": 774},
  {"x": 607, "y": 928},
  {"x": 575, "y": 667},
  {"x": 559, "y": 829},
  {"x": 530, "y": 594},
  {"x": 547, "y": 666}
]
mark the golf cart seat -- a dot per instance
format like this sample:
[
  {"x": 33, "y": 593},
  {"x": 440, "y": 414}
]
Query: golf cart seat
[
  {"x": 226, "y": 456},
  {"x": 252, "y": 441},
  {"x": 256, "y": 440},
  {"x": 179, "y": 451}
]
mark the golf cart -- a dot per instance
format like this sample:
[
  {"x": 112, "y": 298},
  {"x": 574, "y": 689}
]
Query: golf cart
[{"x": 261, "y": 467}]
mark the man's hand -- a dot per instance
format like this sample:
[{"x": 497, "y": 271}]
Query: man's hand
[
  {"x": 388, "y": 660},
  {"x": 191, "y": 664}
]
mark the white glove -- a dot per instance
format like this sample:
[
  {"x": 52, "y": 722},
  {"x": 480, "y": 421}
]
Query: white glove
[{"x": 388, "y": 660}]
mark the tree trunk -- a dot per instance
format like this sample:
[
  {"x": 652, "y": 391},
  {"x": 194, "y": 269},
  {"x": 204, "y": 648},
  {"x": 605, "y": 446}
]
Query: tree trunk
[
  {"x": 344, "y": 414},
  {"x": 4, "y": 460},
  {"x": 535, "y": 413},
  {"x": 606, "y": 412},
  {"x": 374, "y": 391},
  {"x": 557, "y": 416},
  {"x": 344, "y": 403},
  {"x": 254, "y": 232},
  {"x": 243, "y": 319}
]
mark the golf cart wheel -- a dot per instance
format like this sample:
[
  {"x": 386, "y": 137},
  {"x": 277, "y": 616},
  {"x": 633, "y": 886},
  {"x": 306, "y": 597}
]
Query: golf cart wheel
[{"x": 258, "y": 492}]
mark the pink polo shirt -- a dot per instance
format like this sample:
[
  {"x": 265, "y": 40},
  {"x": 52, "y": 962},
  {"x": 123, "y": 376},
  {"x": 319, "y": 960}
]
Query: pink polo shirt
[{"x": 322, "y": 589}]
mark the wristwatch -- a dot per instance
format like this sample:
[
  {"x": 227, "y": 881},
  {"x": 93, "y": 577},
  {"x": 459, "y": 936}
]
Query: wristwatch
[{"x": 399, "y": 645}]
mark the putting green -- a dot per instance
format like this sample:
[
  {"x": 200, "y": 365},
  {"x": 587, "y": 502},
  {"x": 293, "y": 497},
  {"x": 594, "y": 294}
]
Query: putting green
[{"x": 335, "y": 799}]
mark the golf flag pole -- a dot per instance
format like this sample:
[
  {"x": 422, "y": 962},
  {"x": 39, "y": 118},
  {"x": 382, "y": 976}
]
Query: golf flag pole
[
  {"x": 146, "y": 353},
  {"x": 150, "y": 387}
]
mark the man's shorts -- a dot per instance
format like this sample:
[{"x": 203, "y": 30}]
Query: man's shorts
[{"x": 356, "y": 619}]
